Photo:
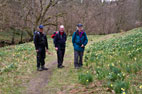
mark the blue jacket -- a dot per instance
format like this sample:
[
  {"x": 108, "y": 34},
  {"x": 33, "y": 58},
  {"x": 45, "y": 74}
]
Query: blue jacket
[{"x": 78, "y": 39}]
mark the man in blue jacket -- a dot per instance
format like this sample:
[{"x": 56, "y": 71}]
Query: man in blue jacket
[{"x": 79, "y": 40}]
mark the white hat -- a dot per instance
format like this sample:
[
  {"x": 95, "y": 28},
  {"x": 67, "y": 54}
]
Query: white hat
[{"x": 61, "y": 26}]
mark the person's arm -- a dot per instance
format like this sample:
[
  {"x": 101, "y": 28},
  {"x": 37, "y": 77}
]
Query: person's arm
[
  {"x": 86, "y": 39},
  {"x": 46, "y": 43},
  {"x": 56, "y": 42},
  {"x": 36, "y": 42},
  {"x": 65, "y": 37},
  {"x": 73, "y": 38}
]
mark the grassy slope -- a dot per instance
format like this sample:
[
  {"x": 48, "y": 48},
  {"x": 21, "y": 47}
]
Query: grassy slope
[
  {"x": 123, "y": 54},
  {"x": 18, "y": 64},
  {"x": 65, "y": 81}
]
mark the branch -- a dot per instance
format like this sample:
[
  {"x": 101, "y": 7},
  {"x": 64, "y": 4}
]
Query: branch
[
  {"x": 41, "y": 8},
  {"x": 55, "y": 3},
  {"x": 42, "y": 15},
  {"x": 49, "y": 17},
  {"x": 30, "y": 22},
  {"x": 3, "y": 3},
  {"x": 53, "y": 24},
  {"x": 46, "y": 9},
  {"x": 58, "y": 15}
]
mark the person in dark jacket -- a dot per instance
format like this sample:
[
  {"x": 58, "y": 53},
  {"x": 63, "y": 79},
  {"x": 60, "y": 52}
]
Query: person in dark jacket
[
  {"x": 41, "y": 46},
  {"x": 79, "y": 40},
  {"x": 60, "y": 44}
]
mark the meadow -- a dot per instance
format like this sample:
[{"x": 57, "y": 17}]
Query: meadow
[{"x": 112, "y": 64}]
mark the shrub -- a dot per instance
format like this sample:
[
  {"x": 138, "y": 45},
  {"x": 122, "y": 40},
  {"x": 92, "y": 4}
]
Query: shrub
[
  {"x": 121, "y": 86},
  {"x": 101, "y": 73},
  {"x": 85, "y": 79}
]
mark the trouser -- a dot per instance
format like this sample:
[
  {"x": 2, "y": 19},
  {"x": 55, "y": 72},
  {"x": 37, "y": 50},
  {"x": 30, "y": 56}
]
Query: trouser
[
  {"x": 41, "y": 58},
  {"x": 60, "y": 56},
  {"x": 78, "y": 58}
]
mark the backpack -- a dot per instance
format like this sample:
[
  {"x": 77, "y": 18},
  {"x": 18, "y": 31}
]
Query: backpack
[
  {"x": 35, "y": 33},
  {"x": 54, "y": 34}
]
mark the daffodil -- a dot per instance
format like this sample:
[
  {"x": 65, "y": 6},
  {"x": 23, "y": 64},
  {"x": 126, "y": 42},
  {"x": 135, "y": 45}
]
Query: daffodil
[
  {"x": 108, "y": 65},
  {"x": 135, "y": 58},
  {"x": 123, "y": 92},
  {"x": 112, "y": 64},
  {"x": 122, "y": 89},
  {"x": 123, "y": 74},
  {"x": 140, "y": 87}
]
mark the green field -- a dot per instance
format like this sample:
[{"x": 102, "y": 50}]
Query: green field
[{"x": 112, "y": 63}]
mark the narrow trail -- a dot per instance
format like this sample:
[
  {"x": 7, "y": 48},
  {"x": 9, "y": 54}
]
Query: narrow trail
[
  {"x": 41, "y": 79},
  {"x": 38, "y": 83}
]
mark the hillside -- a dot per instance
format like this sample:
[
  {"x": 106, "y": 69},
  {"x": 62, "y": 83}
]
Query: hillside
[
  {"x": 112, "y": 63},
  {"x": 117, "y": 62}
]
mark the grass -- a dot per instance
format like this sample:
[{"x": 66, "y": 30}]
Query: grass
[
  {"x": 106, "y": 60},
  {"x": 116, "y": 59},
  {"x": 66, "y": 80},
  {"x": 111, "y": 63},
  {"x": 17, "y": 66},
  {"x": 15, "y": 63}
]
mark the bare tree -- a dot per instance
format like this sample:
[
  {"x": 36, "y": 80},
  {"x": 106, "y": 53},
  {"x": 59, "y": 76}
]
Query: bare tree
[{"x": 97, "y": 17}]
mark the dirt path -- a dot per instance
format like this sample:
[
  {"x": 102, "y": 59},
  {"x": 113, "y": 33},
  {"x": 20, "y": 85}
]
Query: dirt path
[
  {"x": 38, "y": 83},
  {"x": 41, "y": 79}
]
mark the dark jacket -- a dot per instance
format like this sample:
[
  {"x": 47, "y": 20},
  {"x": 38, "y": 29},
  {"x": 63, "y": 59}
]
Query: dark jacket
[
  {"x": 40, "y": 41},
  {"x": 78, "y": 39},
  {"x": 60, "y": 40}
]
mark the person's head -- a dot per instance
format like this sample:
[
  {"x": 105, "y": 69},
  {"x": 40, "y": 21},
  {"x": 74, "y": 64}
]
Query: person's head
[
  {"x": 61, "y": 29},
  {"x": 80, "y": 27},
  {"x": 41, "y": 28}
]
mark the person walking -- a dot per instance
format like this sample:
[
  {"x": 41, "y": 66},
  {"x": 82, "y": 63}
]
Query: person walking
[
  {"x": 60, "y": 44},
  {"x": 79, "y": 40},
  {"x": 41, "y": 46}
]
